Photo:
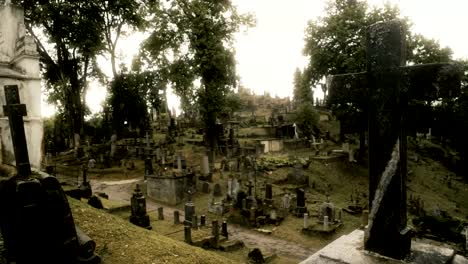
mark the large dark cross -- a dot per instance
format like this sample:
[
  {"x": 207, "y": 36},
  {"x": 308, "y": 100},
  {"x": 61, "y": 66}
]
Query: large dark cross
[
  {"x": 15, "y": 112},
  {"x": 388, "y": 86}
]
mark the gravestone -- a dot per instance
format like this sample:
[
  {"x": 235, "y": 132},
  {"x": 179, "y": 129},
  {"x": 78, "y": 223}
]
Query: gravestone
[
  {"x": 205, "y": 167},
  {"x": 217, "y": 190},
  {"x": 286, "y": 202},
  {"x": 189, "y": 209},
  {"x": 206, "y": 187},
  {"x": 300, "y": 202},
  {"x": 388, "y": 88},
  {"x": 36, "y": 223},
  {"x": 138, "y": 215},
  {"x": 148, "y": 166}
]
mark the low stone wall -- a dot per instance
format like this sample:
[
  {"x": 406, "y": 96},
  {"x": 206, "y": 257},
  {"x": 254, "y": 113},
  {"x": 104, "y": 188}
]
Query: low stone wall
[{"x": 169, "y": 190}]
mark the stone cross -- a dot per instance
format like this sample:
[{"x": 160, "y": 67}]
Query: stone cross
[
  {"x": 15, "y": 112},
  {"x": 388, "y": 86}
]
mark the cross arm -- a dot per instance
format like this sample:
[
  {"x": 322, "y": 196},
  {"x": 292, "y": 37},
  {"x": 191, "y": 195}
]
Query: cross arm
[
  {"x": 432, "y": 81},
  {"x": 350, "y": 87},
  {"x": 15, "y": 109}
]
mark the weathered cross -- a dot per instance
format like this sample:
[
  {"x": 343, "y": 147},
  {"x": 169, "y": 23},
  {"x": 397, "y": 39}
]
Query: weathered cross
[
  {"x": 15, "y": 112},
  {"x": 388, "y": 87}
]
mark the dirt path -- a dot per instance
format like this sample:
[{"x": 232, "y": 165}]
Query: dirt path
[{"x": 121, "y": 191}]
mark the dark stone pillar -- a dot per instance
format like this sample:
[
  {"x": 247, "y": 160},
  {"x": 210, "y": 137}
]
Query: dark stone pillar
[{"x": 387, "y": 219}]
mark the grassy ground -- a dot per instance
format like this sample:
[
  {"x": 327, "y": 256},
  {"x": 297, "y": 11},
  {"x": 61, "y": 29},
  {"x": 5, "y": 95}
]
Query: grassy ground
[
  {"x": 118, "y": 241},
  {"x": 337, "y": 180}
]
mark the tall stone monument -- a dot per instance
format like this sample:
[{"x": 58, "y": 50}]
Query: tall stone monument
[
  {"x": 388, "y": 87},
  {"x": 19, "y": 65}
]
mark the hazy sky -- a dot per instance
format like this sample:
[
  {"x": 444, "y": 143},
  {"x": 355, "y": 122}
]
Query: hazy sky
[{"x": 268, "y": 54}]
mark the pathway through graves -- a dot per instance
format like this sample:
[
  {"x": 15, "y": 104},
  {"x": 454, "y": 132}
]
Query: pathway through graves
[{"x": 122, "y": 190}]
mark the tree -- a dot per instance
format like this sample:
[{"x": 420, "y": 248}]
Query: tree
[
  {"x": 302, "y": 90},
  {"x": 192, "y": 41},
  {"x": 335, "y": 44},
  {"x": 306, "y": 119},
  {"x": 118, "y": 14},
  {"x": 233, "y": 103},
  {"x": 131, "y": 94},
  {"x": 73, "y": 31}
]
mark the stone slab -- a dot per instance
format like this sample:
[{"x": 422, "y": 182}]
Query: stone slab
[
  {"x": 349, "y": 249},
  {"x": 458, "y": 259}
]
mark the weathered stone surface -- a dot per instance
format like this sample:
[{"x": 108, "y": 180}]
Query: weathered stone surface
[
  {"x": 385, "y": 89},
  {"x": 20, "y": 66},
  {"x": 348, "y": 249},
  {"x": 459, "y": 260}
]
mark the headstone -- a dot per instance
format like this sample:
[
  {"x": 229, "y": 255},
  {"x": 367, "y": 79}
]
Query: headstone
[
  {"x": 215, "y": 233},
  {"x": 113, "y": 145},
  {"x": 148, "y": 166},
  {"x": 286, "y": 201},
  {"x": 189, "y": 209},
  {"x": 300, "y": 204},
  {"x": 306, "y": 221},
  {"x": 179, "y": 161},
  {"x": 217, "y": 190},
  {"x": 389, "y": 86},
  {"x": 205, "y": 167},
  {"x": 37, "y": 225},
  {"x": 326, "y": 224},
  {"x": 224, "y": 229},
  {"x": 138, "y": 205},
  {"x": 256, "y": 256},
  {"x": 206, "y": 187},
  {"x": 188, "y": 234},
  {"x": 176, "y": 217},
  {"x": 160, "y": 213},
  {"x": 202, "y": 220},
  {"x": 15, "y": 112}
]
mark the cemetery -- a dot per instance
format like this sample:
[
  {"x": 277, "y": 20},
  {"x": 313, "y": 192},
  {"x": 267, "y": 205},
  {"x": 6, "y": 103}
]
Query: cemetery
[{"x": 369, "y": 173}]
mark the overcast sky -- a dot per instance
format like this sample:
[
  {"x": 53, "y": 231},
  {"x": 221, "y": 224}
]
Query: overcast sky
[{"x": 268, "y": 54}]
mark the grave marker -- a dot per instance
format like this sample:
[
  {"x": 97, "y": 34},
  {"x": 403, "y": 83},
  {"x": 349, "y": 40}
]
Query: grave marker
[
  {"x": 37, "y": 225},
  {"x": 389, "y": 86},
  {"x": 15, "y": 112}
]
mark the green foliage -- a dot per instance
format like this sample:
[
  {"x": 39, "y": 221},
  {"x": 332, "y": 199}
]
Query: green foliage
[
  {"x": 233, "y": 103},
  {"x": 73, "y": 30},
  {"x": 306, "y": 119},
  {"x": 130, "y": 96},
  {"x": 192, "y": 41},
  {"x": 335, "y": 42},
  {"x": 302, "y": 90}
]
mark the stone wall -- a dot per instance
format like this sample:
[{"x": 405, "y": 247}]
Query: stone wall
[{"x": 169, "y": 190}]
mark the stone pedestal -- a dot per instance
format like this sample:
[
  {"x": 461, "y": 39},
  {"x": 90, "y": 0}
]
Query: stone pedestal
[{"x": 349, "y": 249}]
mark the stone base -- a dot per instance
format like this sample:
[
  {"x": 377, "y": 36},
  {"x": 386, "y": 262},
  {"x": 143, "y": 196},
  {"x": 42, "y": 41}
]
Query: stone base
[
  {"x": 320, "y": 230},
  {"x": 141, "y": 221},
  {"x": 300, "y": 211},
  {"x": 349, "y": 249}
]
